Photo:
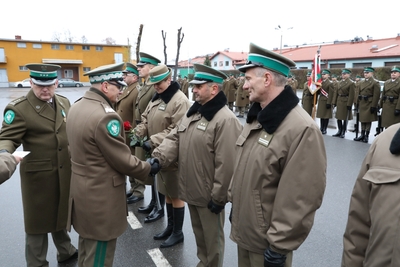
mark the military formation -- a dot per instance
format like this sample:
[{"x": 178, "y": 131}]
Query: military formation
[
  {"x": 362, "y": 98},
  {"x": 136, "y": 123}
]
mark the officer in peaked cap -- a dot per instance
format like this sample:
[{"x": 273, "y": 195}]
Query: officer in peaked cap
[
  {"x": 390, "y": 99},
  {"x": 277, "y": 130},
  {"x": 125, "y": 107},
  {"x": 324, "y": 107},
  {"x": 147, "y": 59},
  {"x": 37, "y": 121},
  {"x": 101, "y": 161},
  {"x": 307, "y": 99},
  {"x": 204, "y": 74}
]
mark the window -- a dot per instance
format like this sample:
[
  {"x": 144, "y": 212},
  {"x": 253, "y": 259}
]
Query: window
[
  {"x": 362, "y": 65},
  {"x": 85, "y": 47},
  {"x": 99, "y": 48},
  {"x": 23, "y": 68},
  {"x": 69, "y": 47},
  {"x": 21, "y": 45},
  {"x": 226, "y": 63},
  {"x": 37, "y": 46},
  {"x": 86, "y": 69},
  {"x": 215, "y": 63},
  {"x": 391, "y": 64},
  {"x": 68, "y": 74},
  {"x": 337, "y": 66},
  {"x": 55, "y": 46},
  {"x": 221, "y": 63}
]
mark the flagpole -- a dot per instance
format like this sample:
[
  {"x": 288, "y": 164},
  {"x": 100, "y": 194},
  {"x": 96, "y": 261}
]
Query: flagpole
[{"x": 316, "y": 76}]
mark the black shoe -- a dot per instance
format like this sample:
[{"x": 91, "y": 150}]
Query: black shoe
[
  {"x": 155, "y": 215},
  {"x": 147, "y": 209},
  {"x": 133, "y": 199},
  {"x": 172, "y": 240},
  {"x": 164, "y": 234},
  {"x": 239, "y": 116},
  {"x": 129, "y": 193},
  {"x": 70, "y": 259}
]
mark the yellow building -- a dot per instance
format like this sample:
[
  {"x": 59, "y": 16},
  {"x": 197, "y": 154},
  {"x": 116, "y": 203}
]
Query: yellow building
[{"x": 74, "y": 58}]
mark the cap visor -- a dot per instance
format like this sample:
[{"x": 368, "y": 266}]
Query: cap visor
[
  {"x": 245, "y": 67},
  {"x": 122, "y": 83},
  {"x": 197, "y": 82},
  {"x": 140, "y": 64},
  {"x": 44, "y": 82}
]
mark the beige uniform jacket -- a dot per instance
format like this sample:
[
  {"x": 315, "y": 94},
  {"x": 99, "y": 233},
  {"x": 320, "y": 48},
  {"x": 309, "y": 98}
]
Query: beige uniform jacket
[
  {"x": 371, "y": 238},
  {"x": 205, "y": 148},
  {"x": 279, "y": 177},
  {"x": 46, "y": 171},
  {"x": 125, "y": 107},
  {"x": 8, "y": 164},
  {"x": 100, "y": 160}
]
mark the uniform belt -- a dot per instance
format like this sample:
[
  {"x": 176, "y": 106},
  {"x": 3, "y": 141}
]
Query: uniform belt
[
  {"x": 392, "y": 97},
  {"x": 137, "y": 122},
  {"x": 365, "y": 97},
  {"x": 343, "y": 95}
]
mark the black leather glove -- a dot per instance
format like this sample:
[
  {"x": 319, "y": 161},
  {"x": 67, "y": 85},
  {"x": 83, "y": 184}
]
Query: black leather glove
[
  {"x": 214, "y": 208},
  {"x": 348, "y": 107},
  {"x": 397, "y": 112},
  {"x": 328, "y": 106},
  {"x": 372, "y": 110},
  {"x": 146, "y": 146},
  {"x": 273, "y": 259},
  {"x": 155, "y": 165}
]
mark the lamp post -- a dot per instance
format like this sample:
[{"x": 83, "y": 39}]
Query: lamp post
[{"x": 280, "y": 29}]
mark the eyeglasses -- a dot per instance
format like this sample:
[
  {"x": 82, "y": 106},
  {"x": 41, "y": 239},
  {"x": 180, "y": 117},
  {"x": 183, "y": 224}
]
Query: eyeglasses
[{"x": 120, "y": 87}]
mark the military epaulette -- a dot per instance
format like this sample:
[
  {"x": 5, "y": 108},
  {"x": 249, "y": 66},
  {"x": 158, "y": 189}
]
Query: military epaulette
[
  {"x": 107, "y": 108},
  {"x": 17, "y": 101},
  {"x": 61, "y": 96}
]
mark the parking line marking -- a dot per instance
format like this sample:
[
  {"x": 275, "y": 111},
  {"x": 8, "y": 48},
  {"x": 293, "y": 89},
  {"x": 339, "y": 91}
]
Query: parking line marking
[
  {"x": 158, "y": 258},
  {"x": 133, "y": 221}
]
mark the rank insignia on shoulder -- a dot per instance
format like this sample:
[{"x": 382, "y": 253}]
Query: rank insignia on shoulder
[
  {"x": 162, "y": 107},
  {"x": 9, "y": 116},
  {"x": 107, "y": 108},
  {"x": 202, "y": 125},
  {"x": 265, "y": 138},
  {"x": 113, "y": 128},
  {"x": 18, "y": 100}
]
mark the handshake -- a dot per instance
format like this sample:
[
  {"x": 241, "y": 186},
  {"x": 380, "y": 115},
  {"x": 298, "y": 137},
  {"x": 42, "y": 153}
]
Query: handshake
[
  {"x": 155, "y": 165},
  {"x": 146, "y": 145}
]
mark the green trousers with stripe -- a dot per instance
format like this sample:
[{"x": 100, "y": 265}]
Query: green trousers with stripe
[{"x": 94, "y": 253}]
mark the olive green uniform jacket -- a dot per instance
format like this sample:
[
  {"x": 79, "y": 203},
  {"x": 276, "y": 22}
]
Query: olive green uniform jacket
[
  {"x": 344, "y": 98},
  {"x": 231, "y": 88},
  {"x": 323, "y": 99},
  {"x": 242, "y": 96},
  {"x": 390, "y": 101},
  {"x": 371, "y": 237},
  {"x": 46, "y": 171},
  {"x": 100, "y": 160},
  {"x": 369, "y": 92},
  {"x": 204, "y": 142},
  {"x": 279, "y": 177},
  {"x": 146, "y": 92},
  {"x": 307, "y": 100},
  {"x": 125, "y": 107},
  {"x": 8, "y": 164}
]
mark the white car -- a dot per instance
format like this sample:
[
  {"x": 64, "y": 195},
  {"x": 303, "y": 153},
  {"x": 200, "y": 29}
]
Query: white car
[{"x": 24, "y": 83}]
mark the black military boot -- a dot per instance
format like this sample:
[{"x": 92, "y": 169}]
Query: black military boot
[
  {"x": 339, "y": 132},
  {"x": 147, "y": 209},
  {"x": 361, "y": 137},
  {"x": 365, "y": 140},
  {"x": 321, "y": 125},
  {"x": 177, "y": 235},
  {"x": 156, "y": 213},
  {"x": 344, "y": 128},
  {"x": 168, "y": 230},
  {"x": 325, "y": 125}
]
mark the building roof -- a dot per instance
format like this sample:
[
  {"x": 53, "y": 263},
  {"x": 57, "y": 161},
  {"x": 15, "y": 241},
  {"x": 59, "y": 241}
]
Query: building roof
[
  {"x": 189, "y": 63},
  {"x": 235, "y": 56},
  {"x": 57, "y": 42}
]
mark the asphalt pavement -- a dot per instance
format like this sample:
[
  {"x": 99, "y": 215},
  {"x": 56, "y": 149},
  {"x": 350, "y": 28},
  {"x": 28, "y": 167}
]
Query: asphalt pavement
[{"x": 136, "y": 247}]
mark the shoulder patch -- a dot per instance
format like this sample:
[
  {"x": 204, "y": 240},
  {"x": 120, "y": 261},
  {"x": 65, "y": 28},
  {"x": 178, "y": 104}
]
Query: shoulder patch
[
  {"x": 107, "y": 108},
  {"x": 113, "y": 127},
  {"x": 9, "y": 116},
  {"x": 17, "y": 101}
]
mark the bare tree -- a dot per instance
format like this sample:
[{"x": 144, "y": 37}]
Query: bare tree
[
  {"x": 56, "y": 37},
  {"x": 68, "y": 37},
  {"x": 109, "y": 41},
  {"x": 139, "y": 38},
  {"x": 164, "y": 36},
  {"x": 180, "y": 40},
  {"x": 84, "y": 39}
]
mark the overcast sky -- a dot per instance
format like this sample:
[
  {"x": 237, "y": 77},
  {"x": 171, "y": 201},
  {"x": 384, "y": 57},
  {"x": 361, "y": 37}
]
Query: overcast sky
[{"x": 208, "y": 25}]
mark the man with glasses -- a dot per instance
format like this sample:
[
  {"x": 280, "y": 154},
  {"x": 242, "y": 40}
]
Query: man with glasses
[
  {"x": 100, "y": 160},
  {"x": 367, "y": 99},
  {"x": 37, "y": 121},
  {"x": 125, "y": 108}
]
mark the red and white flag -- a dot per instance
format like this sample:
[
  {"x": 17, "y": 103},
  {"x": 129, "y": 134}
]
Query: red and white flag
[{"x": 314, "y": 83}]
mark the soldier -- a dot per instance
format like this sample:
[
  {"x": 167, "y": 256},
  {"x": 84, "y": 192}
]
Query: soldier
[
  {"x": 165, "y": 109},
  {"x": 324, "y": 109},
  {"x": 8, "y": 164},
  {"x": 100, "y": 160},
  {"x": 37, "y": 121},
  {"x": 208, "y": 126},
  {"x": 179, "y": 80},
  {"x": 371, "y": 235},
  {"x": 125, "y": 108},
  {"x": 292, "y": 83},
  {"x": 343, "y": 101},
  {"x": 231, "y": 88},
  {"x": 367, "y": 100},
  {"x": 357, "y": 89},
  {"x": 307, "y": 101},
  {"x": 185, "y": 87},
  {"x": 390, "y": 99},
  {"x": 241, "y": 99},
  {"x": 146, "y": 92},
  {"x": 273, "y": 205}
]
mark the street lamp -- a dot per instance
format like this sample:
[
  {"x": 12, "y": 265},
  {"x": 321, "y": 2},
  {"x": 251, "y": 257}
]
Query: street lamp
[{"x": 280, "y": 29}]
